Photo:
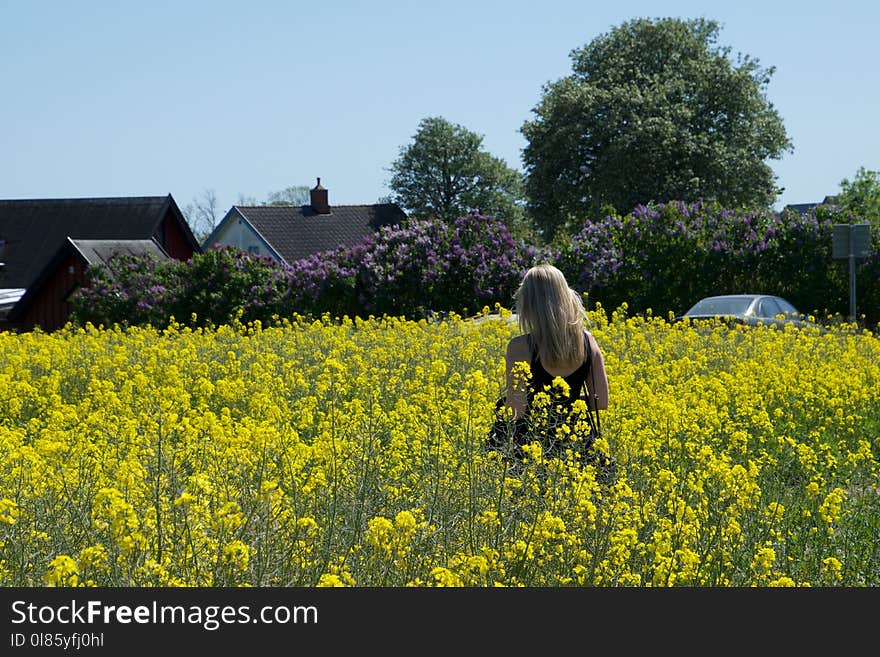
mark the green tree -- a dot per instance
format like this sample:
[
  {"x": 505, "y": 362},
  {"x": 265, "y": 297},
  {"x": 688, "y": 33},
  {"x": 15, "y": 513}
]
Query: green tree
[
  {"x": 444, "y": 173},
  {"x": 861, "y": 196},
  {"x": 295, "y": 195},
  {"x": 655, "y": 111}
]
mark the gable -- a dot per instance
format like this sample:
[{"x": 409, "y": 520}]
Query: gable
[{"x": 234, "y": 230}]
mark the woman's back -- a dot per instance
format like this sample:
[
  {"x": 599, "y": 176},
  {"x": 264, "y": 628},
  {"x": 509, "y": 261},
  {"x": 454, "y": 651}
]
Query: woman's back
[{"x": 542, "y": 377}]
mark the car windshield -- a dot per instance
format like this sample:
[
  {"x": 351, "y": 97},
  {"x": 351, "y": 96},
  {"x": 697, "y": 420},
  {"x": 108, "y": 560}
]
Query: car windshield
[{"x": 721, "y": 306}]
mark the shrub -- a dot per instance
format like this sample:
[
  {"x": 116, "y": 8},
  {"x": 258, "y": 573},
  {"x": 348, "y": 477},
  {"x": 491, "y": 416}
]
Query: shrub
[
  {"x": 414, "y": 270},
  {"x": 667, "y": 256}
]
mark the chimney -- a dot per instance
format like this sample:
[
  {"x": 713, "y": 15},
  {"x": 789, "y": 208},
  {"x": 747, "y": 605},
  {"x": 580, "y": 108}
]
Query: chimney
[{"x": 319, "y": 199}]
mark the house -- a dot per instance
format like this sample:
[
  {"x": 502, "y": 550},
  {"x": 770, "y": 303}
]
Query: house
[
  {"x": 288, "y": 233},
  {"x": 803, "y": 208},
  {"x": 46, "y": 303},
  {"x": 37, "y": 236}
]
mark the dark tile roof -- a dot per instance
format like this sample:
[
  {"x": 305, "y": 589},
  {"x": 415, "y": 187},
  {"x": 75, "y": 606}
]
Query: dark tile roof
[
  {"x": 35, "y": 229},
  {"x": 800, "y": 208},
  {"x": 804, "y": 208},
  {"x": 297, "y": 232}
]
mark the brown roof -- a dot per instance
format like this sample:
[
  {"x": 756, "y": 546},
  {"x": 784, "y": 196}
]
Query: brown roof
[
  {"x": 296, "y": 232},
  {"x": 33, "y": 230}
]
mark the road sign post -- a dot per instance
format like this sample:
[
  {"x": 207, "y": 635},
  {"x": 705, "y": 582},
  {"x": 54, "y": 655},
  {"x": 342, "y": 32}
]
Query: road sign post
[{"x": 851, "y": 241}]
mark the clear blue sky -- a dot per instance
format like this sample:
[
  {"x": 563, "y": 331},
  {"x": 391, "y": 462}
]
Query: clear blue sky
[{"x": 149, "y": 98}]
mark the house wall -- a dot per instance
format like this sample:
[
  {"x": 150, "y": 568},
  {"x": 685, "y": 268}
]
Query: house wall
[
  {"x": 51, "y": 310},
  {"x": 172, "y": 238},
  {"x": 238, "y": 233}
]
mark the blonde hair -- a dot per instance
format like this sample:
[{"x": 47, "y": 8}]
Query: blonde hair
[{"x": 553, "y": 314}]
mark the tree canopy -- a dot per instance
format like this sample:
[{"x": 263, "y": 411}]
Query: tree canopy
[
  {"x": 654, "y": 110},
  {"x": 861, "y": 196},
  {"x": 445, "y": 173},
  {"x": 294, "y": 195}
]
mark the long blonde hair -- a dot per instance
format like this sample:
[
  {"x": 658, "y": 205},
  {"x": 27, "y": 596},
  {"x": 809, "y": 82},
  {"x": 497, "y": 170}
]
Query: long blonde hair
[{"x": 553, "y": 314}]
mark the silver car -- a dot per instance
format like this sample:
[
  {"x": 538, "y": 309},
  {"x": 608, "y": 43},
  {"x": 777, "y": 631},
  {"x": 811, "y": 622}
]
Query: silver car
[{"x": 747, "y": 309}]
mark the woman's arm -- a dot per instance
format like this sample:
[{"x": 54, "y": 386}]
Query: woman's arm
[
  {"x": 517, "y": 386},
  {"x": 598, "y": 376}
]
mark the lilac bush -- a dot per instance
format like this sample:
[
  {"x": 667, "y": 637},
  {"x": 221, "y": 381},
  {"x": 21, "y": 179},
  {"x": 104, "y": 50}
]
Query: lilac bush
[
  {"x": 662, "y": 256},
  {"x": 666, "y": 256},
  {"x": 135, "y": 290},
  {"x": 415, "y": 270},
  {"x": 323, "y": 283},
  {"x": 215, "y": 286},
  {"x": 424, "y": 267}
]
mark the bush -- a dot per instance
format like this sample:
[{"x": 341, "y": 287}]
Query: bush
[
  {"x": 667, "y": 256},
  {"x": 662, "y": 257},
  {"x": 413, "y": 271}
]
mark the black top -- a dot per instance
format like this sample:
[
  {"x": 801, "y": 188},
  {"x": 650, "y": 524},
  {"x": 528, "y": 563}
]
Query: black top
[{"x": 542, "y": 379}]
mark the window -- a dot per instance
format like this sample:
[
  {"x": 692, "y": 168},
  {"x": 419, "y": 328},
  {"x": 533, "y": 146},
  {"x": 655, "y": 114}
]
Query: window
[
  {"x": 787, "y": 308},
  {"x": 768, "y": 308}
]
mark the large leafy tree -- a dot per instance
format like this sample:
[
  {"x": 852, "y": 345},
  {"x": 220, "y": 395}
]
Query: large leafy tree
[
  {"x": 861, "y": 196},
  {"x": 444, "y": 173},
  {"x": 654, "y": 110}
]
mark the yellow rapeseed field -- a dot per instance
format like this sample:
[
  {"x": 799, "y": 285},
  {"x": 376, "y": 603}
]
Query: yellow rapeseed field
[{"x": 349, "y": 452}]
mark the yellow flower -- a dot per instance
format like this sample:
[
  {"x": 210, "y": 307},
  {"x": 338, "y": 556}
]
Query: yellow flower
[
  {"x": 8, "y": 511},
  {"x": 62, "y": 572},
  {"x": 832, "y": 505},
  {"x": 379, "y": 534},
  {"x": 237, "y": 554},
  {"x": 445, "y": 577},
  {"x": 327, "y": 580},
  {"x": 832, "y": 570},
  {"x": 94, "y": 556},
  {"x": 783, "y": 581},
  {"x": 175, "y": 452},
  {"x": 763, "y": 560}
]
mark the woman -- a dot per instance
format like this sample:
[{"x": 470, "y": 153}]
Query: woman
[{"x": 554, "y": 342}]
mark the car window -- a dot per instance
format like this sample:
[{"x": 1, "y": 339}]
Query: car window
[
  {"x": 786, "y": 307},
  {"x": 768, "y": 308},
  {"x": 718, "y": 306}
]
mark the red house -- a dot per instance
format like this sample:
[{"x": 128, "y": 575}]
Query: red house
[{"x": 48, "y": 245}]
